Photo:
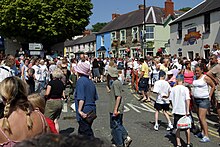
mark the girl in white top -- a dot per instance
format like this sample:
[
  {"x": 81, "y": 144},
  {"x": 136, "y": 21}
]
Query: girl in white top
[{"x": 202, "y": 96}]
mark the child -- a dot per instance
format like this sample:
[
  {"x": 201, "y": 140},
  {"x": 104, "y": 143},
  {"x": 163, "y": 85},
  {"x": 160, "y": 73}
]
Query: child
[
  {"x": 128, "y": 76},
  {"x": 38, "y": 104},
  {"x": 116, "y": 107},
  {"x": 180, "y": 99},
  {"x": 72, "y": 80},
  {"x": 162, "y": 89},
  {"x": 30, "y": 80}
]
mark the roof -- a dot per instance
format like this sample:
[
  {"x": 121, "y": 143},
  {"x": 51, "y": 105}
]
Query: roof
[
  {"x": 102, "y": 48},
  {"x": 154, "y": 15},
  {"x": 202, "y": 8},
  {"x": 80, "y": 40},
  {"x": 86, "y": 39}
]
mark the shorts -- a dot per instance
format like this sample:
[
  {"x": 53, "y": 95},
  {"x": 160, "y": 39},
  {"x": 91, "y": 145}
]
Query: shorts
[
  {"x": 96, "y": 72},
  {"x": 164, "y": 107},
  {"x": 176, "y": 118},
  {"x": 217, "y": 95},
  {"x": 145, "y": 87},
  {"x": 202, "y": 103},
  {"x": 53, "y": 108}
]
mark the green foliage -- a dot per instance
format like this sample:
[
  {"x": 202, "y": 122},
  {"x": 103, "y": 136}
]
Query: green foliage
[
  {"x": 185, "y": 9},
  {"x": 98, "y": 26},
  {"x": 45, "y": 21}
]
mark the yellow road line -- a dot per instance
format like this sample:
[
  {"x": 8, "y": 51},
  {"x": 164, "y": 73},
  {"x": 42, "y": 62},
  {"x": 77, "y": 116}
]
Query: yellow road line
[{"x": 211, "y": 132}]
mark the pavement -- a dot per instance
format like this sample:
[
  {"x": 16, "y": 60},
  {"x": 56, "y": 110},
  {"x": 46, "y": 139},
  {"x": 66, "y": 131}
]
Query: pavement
[{"x": 138, "y": 120}]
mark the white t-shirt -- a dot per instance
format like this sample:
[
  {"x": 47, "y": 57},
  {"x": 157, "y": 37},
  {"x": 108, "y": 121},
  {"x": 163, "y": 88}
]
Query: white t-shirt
[
  {"x": 162, "y": 88},
  {"x": 178, "y": 96},
  {"x": 37, "y": 71}
]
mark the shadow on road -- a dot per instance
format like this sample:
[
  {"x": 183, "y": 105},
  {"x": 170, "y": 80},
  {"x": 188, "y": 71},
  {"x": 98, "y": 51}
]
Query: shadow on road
[{"x": 67, "y": 131}]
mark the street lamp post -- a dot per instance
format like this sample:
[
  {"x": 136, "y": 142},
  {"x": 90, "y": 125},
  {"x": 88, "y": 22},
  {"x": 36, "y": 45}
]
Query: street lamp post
[{"x": 143, "y": 32}]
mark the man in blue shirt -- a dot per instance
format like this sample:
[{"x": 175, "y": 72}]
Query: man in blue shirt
[{"x": 85, "y": 97}]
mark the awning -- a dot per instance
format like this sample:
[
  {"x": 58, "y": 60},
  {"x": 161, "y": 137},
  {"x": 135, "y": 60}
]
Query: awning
[
  {"x": 102, "y": 48},
  {"x": 90, "y": 52},
  {"x": 79, "y": 52}
]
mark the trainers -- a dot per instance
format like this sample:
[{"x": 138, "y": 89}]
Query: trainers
[
  {"x": 205, "y": 139},
  {"x": 199, "y": 135},
  {"x": 189, "y": 145},
  {"x": 170, "y": 127},
  {"x": 156, "y": 127},
  {"x": 127, "y": 141}
]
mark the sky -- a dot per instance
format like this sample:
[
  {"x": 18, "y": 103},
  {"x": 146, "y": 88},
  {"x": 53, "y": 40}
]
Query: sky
[{"x": 103, "y": 9}]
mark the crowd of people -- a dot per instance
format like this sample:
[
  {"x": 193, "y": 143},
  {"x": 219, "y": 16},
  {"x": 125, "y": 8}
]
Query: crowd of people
[{"x": 33, "y": 88}]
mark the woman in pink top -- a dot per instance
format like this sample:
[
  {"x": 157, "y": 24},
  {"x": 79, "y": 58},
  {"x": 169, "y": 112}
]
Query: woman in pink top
[{"x": 188, "y": 74}]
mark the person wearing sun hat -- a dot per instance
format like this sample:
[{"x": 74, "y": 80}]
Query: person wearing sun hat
[
  {"x": 120, "y": 136},
  {"x": 85, "y": 97}
]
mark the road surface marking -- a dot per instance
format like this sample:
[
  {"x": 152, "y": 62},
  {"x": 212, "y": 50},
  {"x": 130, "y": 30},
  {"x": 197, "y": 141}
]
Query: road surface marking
[
  {"x": 137, "y": 108},
  {"x": 126, "y": 109},
  {"x": 211, "y": 132}
]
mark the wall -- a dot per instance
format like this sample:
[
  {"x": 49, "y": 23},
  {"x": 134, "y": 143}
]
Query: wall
[
  {"x": 107, "y": 42},
  {"x": 207, "y": 38}
]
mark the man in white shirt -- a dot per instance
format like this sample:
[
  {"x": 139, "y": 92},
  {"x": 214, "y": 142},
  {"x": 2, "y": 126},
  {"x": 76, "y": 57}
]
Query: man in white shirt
[
  {"x": 162, "y": 89},
  {"x": 180, "y": 99},
  {"x": 37, "y": 75}
]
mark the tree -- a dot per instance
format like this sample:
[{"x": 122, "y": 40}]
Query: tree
[
  {"x": 98, "y": 26},
  {"x": 185, "y": 9},
  {"x": 45, "y": 21}
]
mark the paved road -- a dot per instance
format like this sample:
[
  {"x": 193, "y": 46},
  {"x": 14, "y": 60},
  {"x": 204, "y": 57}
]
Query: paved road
[{"x": 138, "y": 118}]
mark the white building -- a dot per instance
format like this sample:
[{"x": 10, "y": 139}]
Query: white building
[{"x": 195, "y": 32}]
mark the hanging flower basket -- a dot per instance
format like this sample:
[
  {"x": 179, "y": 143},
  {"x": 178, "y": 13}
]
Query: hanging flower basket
[{"x": 206, "y": 46}]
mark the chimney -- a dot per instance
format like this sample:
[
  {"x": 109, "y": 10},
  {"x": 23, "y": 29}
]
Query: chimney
[
  {"x": 115, "y": 15},
  {"x": 169, "y": 8},
  {"x": 141, "y": 7},
  {"x": 86, "y": 32}
]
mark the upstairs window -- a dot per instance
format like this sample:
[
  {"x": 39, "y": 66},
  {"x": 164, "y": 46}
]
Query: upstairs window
[
  {"x": 207, "y": 22},
  {"x": 123, "y": 35},
  {"x": 113, "y": 36},
  {"x": 102, "y": 40},
  {"x": 180, "y": 33},
  {"x": 149, "y": 32},
  {"x": 135, "y": 33}
]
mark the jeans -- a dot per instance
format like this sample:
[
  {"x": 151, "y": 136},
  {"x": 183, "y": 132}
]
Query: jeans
[
  {"x": 85, "y": 129},
  {"x": 118, "y": 132}
]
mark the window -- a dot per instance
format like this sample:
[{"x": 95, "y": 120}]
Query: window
[
  {"x": 150, "y": 51},
  {"x": 207, "y": 22},
  {"x": 123, "y": 35},
  {"x": 102, "y": 40},
  {"x": 113, "y": 36},
  {"x": 191, "y": 30},
  {"x": 149, "y": 32},
  {"x": 135, "y": 33},
  {"x": 180, "y": 33},
  {"x": 191, "y": 55}
]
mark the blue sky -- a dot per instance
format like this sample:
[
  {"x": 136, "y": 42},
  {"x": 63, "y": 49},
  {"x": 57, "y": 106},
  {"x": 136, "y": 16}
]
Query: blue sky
[{"x": 103, "y": 9}]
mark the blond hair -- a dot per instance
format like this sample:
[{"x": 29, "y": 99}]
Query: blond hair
[
  {"x": 37, "y": 102},
  {"x": 57, "y": 73},
  {"x": 14, "y": 92}
]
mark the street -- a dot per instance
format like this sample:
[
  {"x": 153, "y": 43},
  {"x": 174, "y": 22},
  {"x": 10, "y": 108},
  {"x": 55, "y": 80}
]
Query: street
[{"x": 138, "y": 120}]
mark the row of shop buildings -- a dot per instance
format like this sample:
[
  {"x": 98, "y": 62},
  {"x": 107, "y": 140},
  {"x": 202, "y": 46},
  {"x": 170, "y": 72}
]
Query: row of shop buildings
[{"x": 151, "y": 29}]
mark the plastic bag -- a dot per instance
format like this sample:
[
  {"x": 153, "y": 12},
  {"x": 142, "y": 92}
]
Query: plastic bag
[{"x": 184, "y": 123}]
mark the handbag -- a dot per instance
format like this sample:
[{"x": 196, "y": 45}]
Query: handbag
[
  {"x": 142, "y": 83},
  {"x": 91, "y": 116}
]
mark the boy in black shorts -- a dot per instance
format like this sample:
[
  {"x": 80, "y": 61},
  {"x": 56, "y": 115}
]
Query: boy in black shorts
[{"x": 162, "y": 89}]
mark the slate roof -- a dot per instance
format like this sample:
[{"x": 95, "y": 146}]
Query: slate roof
[
  {"x": 86, "y": 39},
  {"x": 136, "y": 18},
  {"x": 204, "y": 7},
  {"x": 81, "y": 40}
]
